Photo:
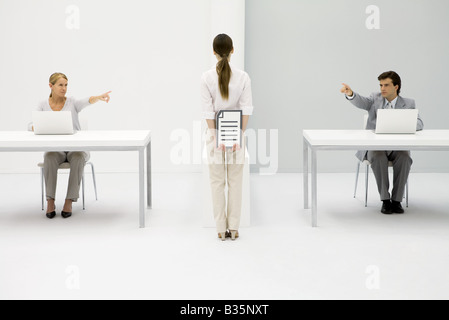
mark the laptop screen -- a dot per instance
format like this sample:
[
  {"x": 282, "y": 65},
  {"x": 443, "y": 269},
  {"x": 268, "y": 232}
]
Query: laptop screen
[
  {"x": 396, "y": 120},
  {"x": 52, "y": 122}
]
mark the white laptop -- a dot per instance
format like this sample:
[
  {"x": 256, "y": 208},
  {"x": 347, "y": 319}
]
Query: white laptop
[
  {"x": 53, "y": 122},
  {"x": 396, "y": 121}
]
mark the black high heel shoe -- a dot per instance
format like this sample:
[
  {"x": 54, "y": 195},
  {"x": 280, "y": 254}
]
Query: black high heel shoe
[
  {"x": 50, "y": 215},
  {"x": 66, "y": 215}
]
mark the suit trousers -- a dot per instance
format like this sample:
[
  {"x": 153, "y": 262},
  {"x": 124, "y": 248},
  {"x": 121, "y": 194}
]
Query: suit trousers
[
  {"x": 402, "y": 163},
  {"x": 77, "y": 161},
  {"x": 226, "y": 168}
]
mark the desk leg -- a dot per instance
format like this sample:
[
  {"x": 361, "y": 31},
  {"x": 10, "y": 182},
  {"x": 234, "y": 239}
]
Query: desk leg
[
  {"x": 314, "y": 190},
  {"x": 149, "y": 190},
  {"x": 305, "y": 148},
  {"x": 142, "y": 188}
]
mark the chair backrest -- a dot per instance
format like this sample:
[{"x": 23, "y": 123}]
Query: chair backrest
[
  {"x": 84, "y": 123},
  {"x": 365, "y": 120}
]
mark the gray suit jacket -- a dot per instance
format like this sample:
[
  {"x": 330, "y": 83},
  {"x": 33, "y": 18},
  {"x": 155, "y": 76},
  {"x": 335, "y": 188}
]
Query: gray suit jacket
[{"x": 374, "y": 102}]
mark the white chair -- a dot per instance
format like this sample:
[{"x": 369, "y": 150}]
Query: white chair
[
  {"x": 367, "y": 166},
  {"x": 66, "y": 165}
]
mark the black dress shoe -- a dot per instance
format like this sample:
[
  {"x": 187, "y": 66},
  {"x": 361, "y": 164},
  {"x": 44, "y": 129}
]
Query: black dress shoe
[
  {"x": 66, "y": 215},
  {"x": 51, "y": 215},
  {"x": 386, "y": 207},
  {"x": 396, "y": 207}
]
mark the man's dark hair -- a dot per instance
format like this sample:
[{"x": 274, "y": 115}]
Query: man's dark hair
[{"x": 393, "y": 76}]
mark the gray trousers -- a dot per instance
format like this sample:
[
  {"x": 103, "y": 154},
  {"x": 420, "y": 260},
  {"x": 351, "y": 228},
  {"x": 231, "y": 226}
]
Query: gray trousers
[
  {"x": 402, "y": 162},
  {"x": 77, "y": 161}
]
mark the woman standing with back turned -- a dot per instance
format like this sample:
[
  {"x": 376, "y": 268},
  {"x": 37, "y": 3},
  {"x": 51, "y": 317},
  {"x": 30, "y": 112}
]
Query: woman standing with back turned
[{"x": 225, "y": 87}]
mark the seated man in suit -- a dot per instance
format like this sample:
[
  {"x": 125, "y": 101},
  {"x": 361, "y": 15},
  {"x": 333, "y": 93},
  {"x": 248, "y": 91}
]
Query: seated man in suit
[{"x": 390, "y": 87}]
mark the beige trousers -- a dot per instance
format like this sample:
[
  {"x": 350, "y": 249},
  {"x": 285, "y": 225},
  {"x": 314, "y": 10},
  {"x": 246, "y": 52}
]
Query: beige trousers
[
  {"x": 225, "y": 167},
  {"x": 77, "y": 161}
]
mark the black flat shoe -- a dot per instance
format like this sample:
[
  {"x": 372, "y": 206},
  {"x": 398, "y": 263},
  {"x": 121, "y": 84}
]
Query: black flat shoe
[
  {"x": 66, "y": 215},
  {"x": 386, "y": 207},
  {"x": 51, "y": 215},
  {"x": 396, "y": 207}
]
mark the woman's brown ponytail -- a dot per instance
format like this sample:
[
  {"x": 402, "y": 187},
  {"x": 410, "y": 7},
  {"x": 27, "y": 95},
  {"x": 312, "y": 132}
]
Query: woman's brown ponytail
[{"x": 223, "y": 47}]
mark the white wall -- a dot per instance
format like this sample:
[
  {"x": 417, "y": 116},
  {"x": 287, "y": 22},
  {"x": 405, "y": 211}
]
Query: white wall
[
  {"x": 150, "y": 53},
  {"x": 228, "y": 16}
]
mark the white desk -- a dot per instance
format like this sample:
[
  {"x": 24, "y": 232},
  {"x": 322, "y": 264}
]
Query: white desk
[
  {"x": 25, "y": 141},
  {"x": 315, "y": 140}
]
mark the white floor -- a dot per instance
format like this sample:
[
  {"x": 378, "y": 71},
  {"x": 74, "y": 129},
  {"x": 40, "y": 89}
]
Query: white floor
[{"x": 355, "y": 253}]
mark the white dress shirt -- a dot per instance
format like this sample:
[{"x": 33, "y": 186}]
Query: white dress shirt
[
  {"x": 240, "y": 95},
  {"x": 393, "y": 103}
]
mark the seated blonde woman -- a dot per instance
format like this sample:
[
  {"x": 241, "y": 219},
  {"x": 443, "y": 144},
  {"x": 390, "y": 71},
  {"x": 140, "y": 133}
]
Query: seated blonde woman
[{"x": 59, "y": 102}]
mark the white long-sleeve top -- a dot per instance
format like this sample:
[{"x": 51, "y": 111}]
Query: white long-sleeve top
[
  {"x": 71, "y": 104},
  {"x": 240, "y": 95}
]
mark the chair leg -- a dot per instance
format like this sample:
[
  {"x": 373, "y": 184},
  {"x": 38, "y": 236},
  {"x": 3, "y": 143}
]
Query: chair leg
[
  {"x": 356, "y": 178},
  {"x": 42, "y": 187},
  {"x": 82, "y": 183},
  {"x": 406, "y": 192},
  {"x": 366, "y": 185},
  {"x": 93, "y": 178}
]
